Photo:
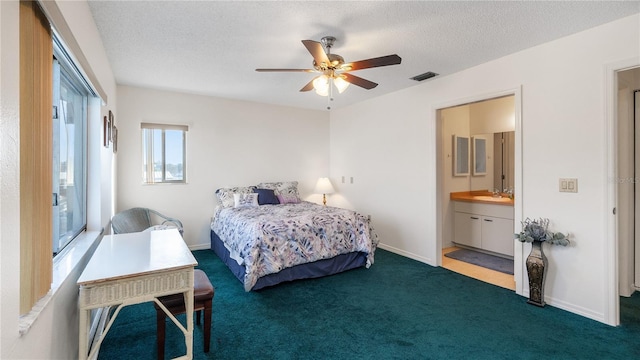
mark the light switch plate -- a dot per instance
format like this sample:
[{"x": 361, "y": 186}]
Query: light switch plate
[{"x": 568, "y": 185}]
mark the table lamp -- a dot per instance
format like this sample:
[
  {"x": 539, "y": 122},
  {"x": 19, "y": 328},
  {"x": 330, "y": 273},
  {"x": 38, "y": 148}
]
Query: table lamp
[{"x": 324, "y": 187}]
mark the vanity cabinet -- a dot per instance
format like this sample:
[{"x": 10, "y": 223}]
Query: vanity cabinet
[
  {"x": 484, "y": 226},
  {"x": 468, "y": 229}
]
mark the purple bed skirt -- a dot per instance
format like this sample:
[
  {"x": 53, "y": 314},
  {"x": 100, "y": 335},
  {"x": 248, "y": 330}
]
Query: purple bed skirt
[{"x": 314, "y": 269}]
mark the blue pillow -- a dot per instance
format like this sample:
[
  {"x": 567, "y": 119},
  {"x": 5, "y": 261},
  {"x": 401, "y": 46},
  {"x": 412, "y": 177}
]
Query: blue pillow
[{"x": 266, "y": 197}]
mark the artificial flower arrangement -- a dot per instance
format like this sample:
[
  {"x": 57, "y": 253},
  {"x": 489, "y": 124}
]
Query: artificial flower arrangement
[{"x": 538, "y": 230}]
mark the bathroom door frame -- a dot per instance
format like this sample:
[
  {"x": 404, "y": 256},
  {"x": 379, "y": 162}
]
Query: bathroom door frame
[
  {"x": 519, "y": 273},
  {"x": 612, "y": 242}
]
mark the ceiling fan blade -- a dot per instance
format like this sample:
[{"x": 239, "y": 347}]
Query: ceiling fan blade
[
  {"x": 285, "y": 70},
  {"x": 373, "y": 62},
  {"x": 317, "y": 51},
  {"x": 309, "y": 85},
  {"x": 355, "y": 80}
]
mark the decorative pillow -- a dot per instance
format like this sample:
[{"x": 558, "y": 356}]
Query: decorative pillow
[
  {"x": 282, "y": 187},
  {"x": 288, "y": 199},
  {"x": 159, "y": 227},
  {"x": 225, "y": 195},
  {"x": 243, "y": 200},
  {"x": 266, "y": 197}
]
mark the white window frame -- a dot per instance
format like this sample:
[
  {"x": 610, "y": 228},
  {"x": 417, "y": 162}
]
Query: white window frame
[
  {"x": 148, "y": 170},
  {"x": 63, "y": 63}
]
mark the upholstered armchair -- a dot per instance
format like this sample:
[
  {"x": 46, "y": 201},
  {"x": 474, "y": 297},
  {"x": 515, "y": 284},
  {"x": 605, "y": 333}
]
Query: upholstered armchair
[{"x": 140, "y": 219}]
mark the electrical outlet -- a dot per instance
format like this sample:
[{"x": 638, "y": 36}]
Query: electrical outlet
[
  {"x": 351, "y": 179},
  {"x": 568, "y": 185}
]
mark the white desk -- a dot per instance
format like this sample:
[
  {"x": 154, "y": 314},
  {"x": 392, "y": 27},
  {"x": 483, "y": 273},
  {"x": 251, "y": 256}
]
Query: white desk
[{"x": 133, "y": 268}]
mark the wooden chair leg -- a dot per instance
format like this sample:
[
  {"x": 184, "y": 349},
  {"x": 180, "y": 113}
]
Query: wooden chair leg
[
  {"x": 207, "y": 325},
  {"x": 198, "y": 317},
  {"x": 160, "y": 318}
]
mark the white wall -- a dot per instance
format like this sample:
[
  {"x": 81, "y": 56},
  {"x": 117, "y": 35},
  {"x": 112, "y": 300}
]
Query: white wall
[
  {"x": 389, "y": 143},
  {"x": 229, "y": 143},
  {"x": 54, "y": 333}
]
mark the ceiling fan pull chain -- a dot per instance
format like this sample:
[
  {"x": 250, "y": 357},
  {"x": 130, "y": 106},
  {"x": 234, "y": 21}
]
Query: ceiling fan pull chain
[{"x": 330, "y": 97}]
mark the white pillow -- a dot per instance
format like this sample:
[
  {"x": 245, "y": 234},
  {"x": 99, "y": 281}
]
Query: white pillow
[
  {"x": 225, "y": 195},
  {"x": 242, "y": 200}
]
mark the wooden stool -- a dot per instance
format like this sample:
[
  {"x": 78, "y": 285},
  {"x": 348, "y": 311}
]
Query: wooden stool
[{"x": 203, "y": 293}]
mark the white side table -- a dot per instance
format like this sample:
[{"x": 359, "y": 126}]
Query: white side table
[{"x": 133, "y": 268}]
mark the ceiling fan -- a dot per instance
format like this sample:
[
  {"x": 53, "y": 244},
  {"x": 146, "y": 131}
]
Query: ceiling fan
[{"x": 334, "y": 70}]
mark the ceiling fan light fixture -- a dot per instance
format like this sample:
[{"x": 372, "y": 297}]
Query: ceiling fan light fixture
[
  {"x": 331, "y": 68},
  {"x": 322, "y": 92},
  {"x": 321, "y": 84},
  {"x": 340, "y": 83}
]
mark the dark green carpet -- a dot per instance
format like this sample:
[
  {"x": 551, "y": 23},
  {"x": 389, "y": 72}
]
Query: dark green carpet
[{"x": 397, "y": 309}]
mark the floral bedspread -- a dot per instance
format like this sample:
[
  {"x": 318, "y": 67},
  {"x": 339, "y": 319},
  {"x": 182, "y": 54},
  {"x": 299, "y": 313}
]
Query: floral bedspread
[{"x": 269, "y": 238}]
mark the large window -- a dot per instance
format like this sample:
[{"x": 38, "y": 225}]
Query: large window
[
  {"x": 164, "y": 153},
  {"x": 53, "y": 152},
  {"x": 70, "y": 98}
]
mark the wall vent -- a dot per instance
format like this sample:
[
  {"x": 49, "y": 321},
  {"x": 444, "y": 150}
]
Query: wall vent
[{"x": 425, "y": 76}]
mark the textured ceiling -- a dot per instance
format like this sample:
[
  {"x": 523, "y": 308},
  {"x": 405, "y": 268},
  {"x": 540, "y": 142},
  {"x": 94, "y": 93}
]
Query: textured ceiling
[{"x": 213, "y": 47}]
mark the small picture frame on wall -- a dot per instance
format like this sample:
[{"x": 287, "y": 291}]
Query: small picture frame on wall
[
  {"x": 105, "y": 132},
  {"x": 111, "y": 125},
  {"x": 115, "y": 139},
  {"x": 460, "y": 155}
]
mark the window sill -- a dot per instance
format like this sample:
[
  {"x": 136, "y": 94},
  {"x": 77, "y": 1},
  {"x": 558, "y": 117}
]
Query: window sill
[{"x": 64, "y": 265}]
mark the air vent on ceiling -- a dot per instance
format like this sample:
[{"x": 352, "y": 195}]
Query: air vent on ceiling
[{"x": 425, "y": 76}]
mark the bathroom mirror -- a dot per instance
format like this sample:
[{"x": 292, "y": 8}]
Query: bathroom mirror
[
  {"x": 504, "y": 164},
  {"x": 460, "y": 155}
]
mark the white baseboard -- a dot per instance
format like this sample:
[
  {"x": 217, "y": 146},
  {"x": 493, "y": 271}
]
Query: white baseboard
[
  {"x": 579, "y": 310},
  {"x": 410, "y": 255},
  {"x": 205, "y": 246},
  {"x": 627, "y": 290}
]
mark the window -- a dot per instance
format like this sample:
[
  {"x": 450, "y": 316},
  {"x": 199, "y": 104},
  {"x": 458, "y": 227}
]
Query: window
[
  {"x": 54, "y": 102},
  {"x": 70, "y": 100},
  {"x": 164, "y": 153}
]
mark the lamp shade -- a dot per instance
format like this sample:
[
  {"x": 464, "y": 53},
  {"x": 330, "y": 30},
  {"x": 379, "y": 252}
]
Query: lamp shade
[
  {"x": 321, "y": 84},
  {"x": 340, "y": 83},
  {"x": 323, "y": 186}
]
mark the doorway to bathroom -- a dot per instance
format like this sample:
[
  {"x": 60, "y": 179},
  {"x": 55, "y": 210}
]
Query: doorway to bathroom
[
  {"x": 628, "y": 180},
  {"x": 487, "y": 165}
]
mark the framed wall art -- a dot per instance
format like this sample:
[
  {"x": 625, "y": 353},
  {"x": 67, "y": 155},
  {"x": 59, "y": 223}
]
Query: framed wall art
[
  {"x": 114, "y": 134},
  {"x": 110, "y": 126},
  {"x": 105, "y": 132}
]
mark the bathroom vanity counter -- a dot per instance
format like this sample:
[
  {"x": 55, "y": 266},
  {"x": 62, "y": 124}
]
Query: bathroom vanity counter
[
  {"x": 481, "y": 196},
  {"x": 483, "y": 221}
]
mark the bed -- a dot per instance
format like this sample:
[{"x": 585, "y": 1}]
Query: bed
[{"x": 267, "y": 236}]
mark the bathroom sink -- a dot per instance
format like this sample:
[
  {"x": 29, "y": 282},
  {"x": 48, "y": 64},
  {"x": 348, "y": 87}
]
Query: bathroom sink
[{"x": 490, "y": 198}]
